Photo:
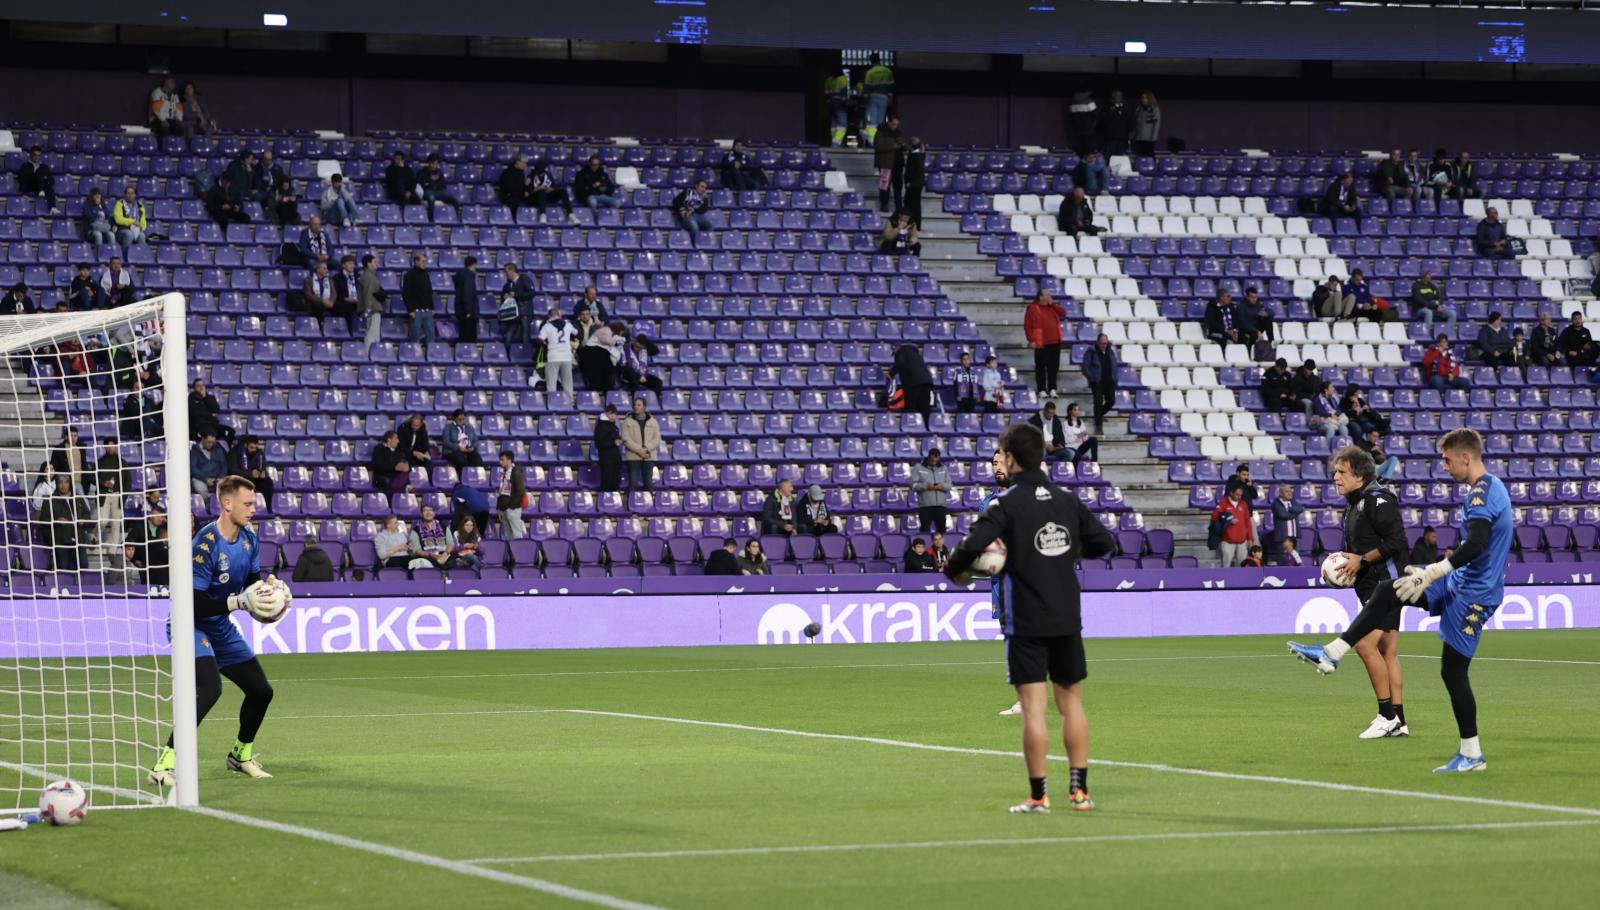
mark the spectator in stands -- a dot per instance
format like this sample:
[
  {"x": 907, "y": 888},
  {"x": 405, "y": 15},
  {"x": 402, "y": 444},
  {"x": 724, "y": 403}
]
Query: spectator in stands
[
  {"x": 515, "y": 310},
  {"x": 1464, "y": 177},
  {"x": 900, "y": 236},
  {"x": 1519, "y": 353},
  {"x": 1252, "y": 559},
  {"x": 1544, "y": 348},
  {"x": 1081, "y": 444},
  {"x": 268, "y": 175},
  {"x": 1277, "y": 388},
  {"x": 283, "y": 203},
  {"x": 966, "y": 385},
  {"x": 70, "y": 459},
  {"x": 393, "y": 544},
  {"x": 512, "y": 187},
  {"x": 1416, "y": 175},
  {"x": 146, "y": 548},
  {"x": 1055, "y": 435},
  {"x": 416, "y": 289},
  {"x": 82, "y": 294},
  {"x": 339, "y": 202},
  {"x": 62, "y": 520},
  {"x": 640, "y": 372},
  {"x": 1240, "y": 480},
  {"x": 347, "y": 292},
  {"x": 322, "y": 296},
  {"x": 557, "y": 335},
  {"x": 205, "y": 414},
  {"x": 459, "y": 442},
  {"x": 591, "y": 297},
  {"x": 1440, "y": 176},
  {"x": 1363, "y": 419},
  {"x": 1256, "y": 320},
  {"x": 432, "y": 540},
  {"x": 1426, "y": 550},
  {"x": 166, "y": 109},
  {"x": 993, "y": 385},
  {"x": 689, "y": 209},
  {"x": 373, "y": 301},
  {"x": 97, "y": 219},
  {"x": 249, "y": 460},
  {"x": 778, "y": 512},
  {"x": 1494, "y": 342},
  {"x": 1393, "y": 181},
  {"x": 433, "y": 186},
  {"x": 1221, "y": 321},
  {"x": 467, "y": 504},
  {"x": 1307, "y": 384},
  {"x": 1290, "y": 555},
  {"x": 16, "y": 301},
  {"x": 466, "y": 301},
  {"x": 1100, "y": 367},
  {"x": 915, "y": 379},
  {"x": 243, "y": 176},
  {"x": 641, "y": 442},
  {"x": 1440, "y": 369},
  {"x": 594, "y": 187},
  {"x": 414, "y": 444},
  {"x": 916, "y": 179},
  {"x": 34, "y": 178},
  {"x": 1427, "y": 302},
  {"x": 116, "y": 285},
  {"x": 1367, "y": 306},
  {"x": 1329, "y": 302},
  {"x": 140, "y": 415},
  {"x": 930, "y": 482},
  {"x": 1285, "y": 519},
  {"x": 391, "y": 472},
  {"x": 315, "y": 245},
  {"x": 465, "y": 552},
  {"x": 1577, "y": 345},
  {"x": 1091, "y": 174},
  {"x": 1082, "y": 122},
  {"x": 399, "y": 181},
  {"x": 1491, "y": 239},
  {"x": 511, "y": 497},
  {"x": 1239, "y": 532},
  {"x": 752, "y": 561},
  {"x": 918, "y": 559},
  {"x": 814, "y": 515},
  {"x": 739, "y": 169},
  {"x": 197, "y": 121},
  {"x": 1116, "y": 124},
  {"x": 131, "y": 219},
  {"x": 888, "y": 156},
  {"x": 1041, "y": 324},
  {"x": 1076, "y": 215},
  {"x": 724, "y": 560},
  {"x": 313, "y": 564},
  {"x": 939, "y": 550},
  {"x": 542, "y": 192},
  {"x": 1386, "y": 465},
  {"x": 223, "y": 204},
  {"x": 208, "y": 463},
  {"x": 1340, "y": 199},
  {"x": 1146, "y": 125},
  {"x": 607, "y": 450}
]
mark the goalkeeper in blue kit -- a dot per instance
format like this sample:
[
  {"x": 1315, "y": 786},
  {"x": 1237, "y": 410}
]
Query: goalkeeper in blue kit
[
  {"x": 1463, "y": 591},
  {"x": 227, "y": 577}
]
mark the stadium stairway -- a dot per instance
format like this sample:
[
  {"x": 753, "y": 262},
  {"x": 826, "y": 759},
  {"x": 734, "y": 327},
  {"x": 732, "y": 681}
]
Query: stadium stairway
[{"x": 989, "y": 301}]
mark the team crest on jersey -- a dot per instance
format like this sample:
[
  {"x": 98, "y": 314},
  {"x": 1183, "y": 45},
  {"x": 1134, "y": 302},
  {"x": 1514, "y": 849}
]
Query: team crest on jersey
[{"x": 1052, "y": 540}]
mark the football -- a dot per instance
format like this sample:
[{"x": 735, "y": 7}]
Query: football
[
  {"x": 276, "y": 606},
  {"x": 63, "y": 803},
  {"x": 990, "y": 562},
  {"x": 1337, "y": 571}
]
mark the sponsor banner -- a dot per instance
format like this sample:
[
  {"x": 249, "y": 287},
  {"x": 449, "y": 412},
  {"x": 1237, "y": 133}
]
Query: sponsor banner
[{"x": 81, "y": 628}]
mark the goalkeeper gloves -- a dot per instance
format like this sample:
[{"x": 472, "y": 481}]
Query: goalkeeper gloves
[
  {"x": 263, "y": 599},
  {"x": 1411, "y": 586}
]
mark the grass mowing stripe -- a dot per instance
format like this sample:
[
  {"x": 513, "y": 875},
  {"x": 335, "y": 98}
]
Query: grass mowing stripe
[
  {"x": 1143, "y": 766},
  {"x": 1025, "y": 841},
  {"x": 425, "y": 859}
]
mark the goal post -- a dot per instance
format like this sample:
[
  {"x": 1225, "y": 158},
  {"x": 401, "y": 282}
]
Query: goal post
[{"x": 95, "y": 554}]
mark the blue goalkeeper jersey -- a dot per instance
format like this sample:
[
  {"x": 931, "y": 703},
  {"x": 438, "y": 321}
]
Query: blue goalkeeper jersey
[
  {"x": 1483, "y": 580},
  {"x": 223, "y": 568},
  {"x": 997, "y": 582}
]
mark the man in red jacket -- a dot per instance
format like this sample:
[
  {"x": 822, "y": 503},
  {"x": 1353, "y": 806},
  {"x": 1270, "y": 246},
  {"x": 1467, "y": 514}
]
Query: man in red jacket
[
  {"x": 1240, "y": 533},
  {"x": 1042, "y": 325},
  {"x": 1441, "y": 369}
]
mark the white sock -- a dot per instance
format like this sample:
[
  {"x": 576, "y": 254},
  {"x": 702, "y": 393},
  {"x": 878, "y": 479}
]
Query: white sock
[
  {"x": 1336, "y": 649},
  {"x": 1470, "y": 747}
]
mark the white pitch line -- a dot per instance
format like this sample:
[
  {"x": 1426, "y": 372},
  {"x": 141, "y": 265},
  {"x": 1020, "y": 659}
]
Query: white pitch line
[
  {"x": 425, "y": 859},
  {"x": 1516, "y": 660},
  {"x": 149, "y": 799},
  {"x": 1143, "y": 766},
  {"x": 1023, "y": 842},
  {"x": 420, "y": 714}
]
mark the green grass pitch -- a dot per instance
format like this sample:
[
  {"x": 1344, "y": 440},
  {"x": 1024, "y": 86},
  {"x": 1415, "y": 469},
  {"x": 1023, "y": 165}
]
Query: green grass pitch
[{"x": 480, "y": 758}]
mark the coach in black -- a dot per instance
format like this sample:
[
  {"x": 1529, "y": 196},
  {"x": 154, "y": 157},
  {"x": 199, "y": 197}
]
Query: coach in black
[
  {"x": 1374, "y": 535},
  {"x": 1046, "y": 531}
]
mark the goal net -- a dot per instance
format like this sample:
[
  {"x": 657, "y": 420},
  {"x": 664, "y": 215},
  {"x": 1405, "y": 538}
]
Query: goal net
[{"x": 94, "y": 533}]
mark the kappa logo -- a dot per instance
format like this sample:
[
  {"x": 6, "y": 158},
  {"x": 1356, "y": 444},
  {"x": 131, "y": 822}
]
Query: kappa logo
[
  {"x": 1042, "y": 494},
  {"x": 1052, "y": 540},
  {"x": 1321, "y": 614}
]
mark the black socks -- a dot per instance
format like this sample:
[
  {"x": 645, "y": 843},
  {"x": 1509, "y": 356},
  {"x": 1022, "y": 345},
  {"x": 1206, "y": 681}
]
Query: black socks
[
  {"x": 1079, "y": 780},
  {"x": 1386, "y": 709},
  {"x": 1036, "y": 787}
]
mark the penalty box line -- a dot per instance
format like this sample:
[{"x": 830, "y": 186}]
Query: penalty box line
[{"x": 1142, "y": 766}]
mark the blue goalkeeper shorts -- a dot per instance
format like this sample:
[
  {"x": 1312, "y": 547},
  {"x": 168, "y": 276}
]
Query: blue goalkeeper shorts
[
  {"x": 220, "y": 640},
  {"x": 1461, "y": 623}
]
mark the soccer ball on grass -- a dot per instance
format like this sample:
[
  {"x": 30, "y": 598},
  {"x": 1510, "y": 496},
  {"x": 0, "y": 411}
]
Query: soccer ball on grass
[{"x": 63, "y": 803}]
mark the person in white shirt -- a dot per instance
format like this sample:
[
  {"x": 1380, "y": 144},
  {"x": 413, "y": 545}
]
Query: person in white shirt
[
  {"x": 116, "y": 285},
  {"x": 992, "y": 384},
  {"x": 166, "y": 109},
  {"x": 1080, "y": 443},
  {"x": 339, "y": 202},
  {"x": 557, "y": 335}
]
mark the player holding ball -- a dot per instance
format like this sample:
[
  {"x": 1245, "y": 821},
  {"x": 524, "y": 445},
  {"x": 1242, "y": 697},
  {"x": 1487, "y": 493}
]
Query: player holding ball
[{"x": 227, "y": 577}]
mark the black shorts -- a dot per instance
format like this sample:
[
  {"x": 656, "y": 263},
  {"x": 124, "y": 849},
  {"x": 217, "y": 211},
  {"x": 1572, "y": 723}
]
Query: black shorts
[
  {"x": 1390, "y": 621},
  {"x": 1033, "y": 660}
]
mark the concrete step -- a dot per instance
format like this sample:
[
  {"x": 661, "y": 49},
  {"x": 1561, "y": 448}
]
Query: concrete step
[
  {"x": 985, "y": 292},
  {"x": 1134, "y": 477}
]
